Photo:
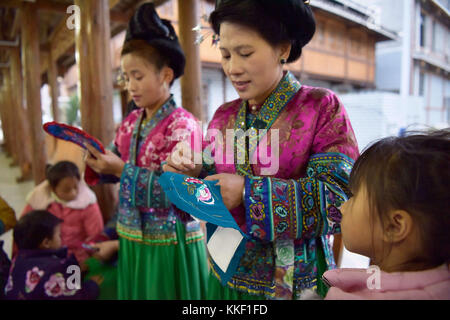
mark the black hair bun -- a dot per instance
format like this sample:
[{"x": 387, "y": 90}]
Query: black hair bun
[
  {"x": 159, "y": 33},
  {"x": 297, "y": 19},
  {"x": 276, "y": 20}
]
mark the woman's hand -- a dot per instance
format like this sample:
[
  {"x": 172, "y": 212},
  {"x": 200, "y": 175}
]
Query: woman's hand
[
  {"x": 106, "y": 249},
  {"x": 105, "y": 163},
  {"x": 181, "y": 160},
  {"x": 231, "y": 188}
]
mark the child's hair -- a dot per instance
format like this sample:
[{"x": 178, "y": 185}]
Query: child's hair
[
  {"x": 61, "y": 170},
  {"x": 147, "y": 52},
  {"x": 33, "y": 228},
  {"x": 411, "y": 173}
]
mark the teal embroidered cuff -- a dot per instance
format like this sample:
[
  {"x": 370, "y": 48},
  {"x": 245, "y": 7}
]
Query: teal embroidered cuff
[{"x": 304, "y": 208}]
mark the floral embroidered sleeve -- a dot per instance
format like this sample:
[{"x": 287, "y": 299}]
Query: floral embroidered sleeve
[
  {"x": 304, "y": 208},
  {"x": 307, "y": 207}
]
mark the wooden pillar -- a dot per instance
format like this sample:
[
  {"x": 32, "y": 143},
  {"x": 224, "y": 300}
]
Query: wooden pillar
[
  {"x": 22, "y": 121},
  {"x": 92, "y": 42},
  {"x": 8, "y": 106},
  {"x": 32, "y": 77},
  {"x": 53, "y": 84},
  {"x": 191, "y": 82},
  {"x": 5, "y": 118}
]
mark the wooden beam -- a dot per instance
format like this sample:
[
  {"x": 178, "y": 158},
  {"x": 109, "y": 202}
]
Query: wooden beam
[
  {"x": 9, "y": 44},
  {"x": 96, "y": 86},
  {"x": 191, "y": 83},
  {"x": 16, "y": 25},
  {"x": 59, "y": 7},
  {"x": 62, "y": 39},
  {"x": 32, "y": 77}
]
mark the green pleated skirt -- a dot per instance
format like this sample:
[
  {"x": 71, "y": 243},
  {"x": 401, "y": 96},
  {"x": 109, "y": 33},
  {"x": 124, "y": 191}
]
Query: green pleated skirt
[
  {"x": 147, "y": 272},
  {"x": 216, "y": 291}
]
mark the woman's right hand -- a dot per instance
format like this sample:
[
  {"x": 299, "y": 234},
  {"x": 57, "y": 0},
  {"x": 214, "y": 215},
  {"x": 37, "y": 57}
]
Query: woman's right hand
[{"x": 181, "y": 160}]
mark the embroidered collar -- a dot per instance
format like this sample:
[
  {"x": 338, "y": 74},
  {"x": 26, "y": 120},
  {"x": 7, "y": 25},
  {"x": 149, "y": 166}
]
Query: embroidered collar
[
  {"x": 274, "y": 104},
  {"x": 143, "y": 129}
]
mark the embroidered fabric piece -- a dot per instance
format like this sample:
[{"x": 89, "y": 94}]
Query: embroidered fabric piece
[
  {"x": 202, "y": 199},
  {"x": 79, "y": 137},
  {"x": 199, "y": 198}
]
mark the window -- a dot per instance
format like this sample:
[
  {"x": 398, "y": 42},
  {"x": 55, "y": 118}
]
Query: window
[
  {"x": 319, "y": 36},
  {"x": 438, "y": 37},
  {"x": 422, "y": 84},
  {"x": 422, "y": 30}
]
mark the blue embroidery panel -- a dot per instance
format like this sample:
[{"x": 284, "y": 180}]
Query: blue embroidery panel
[
  {"x": 202, "y": 199},
  {"x": 199, "y": 198}
]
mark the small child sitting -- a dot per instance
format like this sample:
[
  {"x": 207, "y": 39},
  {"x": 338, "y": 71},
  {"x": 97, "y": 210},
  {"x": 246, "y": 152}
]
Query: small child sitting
[
  {"x": 399, "y": 217},
  {"x": 41, "y": 268},
  {"x": 67, "y": 197}
]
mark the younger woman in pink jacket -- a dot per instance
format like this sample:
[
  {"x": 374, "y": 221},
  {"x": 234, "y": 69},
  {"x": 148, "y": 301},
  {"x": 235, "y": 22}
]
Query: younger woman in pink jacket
[
  {"x": 67, "y": 197},
  {"x": 399, "y": 217}
]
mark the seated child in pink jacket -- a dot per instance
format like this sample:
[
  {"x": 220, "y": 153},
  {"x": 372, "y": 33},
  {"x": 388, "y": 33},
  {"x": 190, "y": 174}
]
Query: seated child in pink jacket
[
  {"x": 399, "y": 217},
  {"x": 67, "y": 197}
]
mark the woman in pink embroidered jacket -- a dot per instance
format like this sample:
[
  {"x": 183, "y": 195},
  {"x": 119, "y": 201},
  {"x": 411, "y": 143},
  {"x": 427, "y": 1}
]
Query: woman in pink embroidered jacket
[
  {"x": 399, "y": 218},
  {"x": 67, "y": 197},
  {"x": 294, "y": 163}
]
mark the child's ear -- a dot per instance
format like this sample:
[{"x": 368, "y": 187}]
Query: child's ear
[
  {"x": 398, "y": 227},
  {"x": 45, "y": 244},
  {"x": 168, "y": 75}
]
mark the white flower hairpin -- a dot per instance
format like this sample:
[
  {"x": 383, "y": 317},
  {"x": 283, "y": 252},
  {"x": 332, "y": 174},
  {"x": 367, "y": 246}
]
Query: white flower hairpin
[{"x": 200, "y": 37}]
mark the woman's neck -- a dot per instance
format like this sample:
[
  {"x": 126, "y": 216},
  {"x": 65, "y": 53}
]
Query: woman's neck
[
  {"x": 261, "y": 99},
  {"x": 399, "y": 263},
  {"x": 150, "y": 110}
]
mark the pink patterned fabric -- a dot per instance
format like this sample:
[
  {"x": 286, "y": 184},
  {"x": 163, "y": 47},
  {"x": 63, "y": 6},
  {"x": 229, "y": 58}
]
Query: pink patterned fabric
[{"x": 159, "y": 144}]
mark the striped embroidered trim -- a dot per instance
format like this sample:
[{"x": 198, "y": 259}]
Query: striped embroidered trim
[{"x": 253, "y": 286}]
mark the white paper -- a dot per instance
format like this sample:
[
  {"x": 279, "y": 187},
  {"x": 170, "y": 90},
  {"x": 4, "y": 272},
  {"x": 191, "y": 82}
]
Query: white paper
[{"x": 222, "y": 245}]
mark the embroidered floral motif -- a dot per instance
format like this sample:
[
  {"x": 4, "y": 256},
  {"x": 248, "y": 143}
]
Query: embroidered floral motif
[
  {"x": 32, "y": 279},
  {"x": 200, "y": 190},
  {"x": 159, "y": 141},
  {"x": 55, "y": 286},
  {"x": 257, "y": 211}
]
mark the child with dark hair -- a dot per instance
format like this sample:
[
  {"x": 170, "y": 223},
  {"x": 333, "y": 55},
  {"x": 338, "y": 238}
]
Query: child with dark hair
[
  {"x": 67, "y": 197},
  {"x": 399, "y": 217},
  {"x": 42, "y": 268}
]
